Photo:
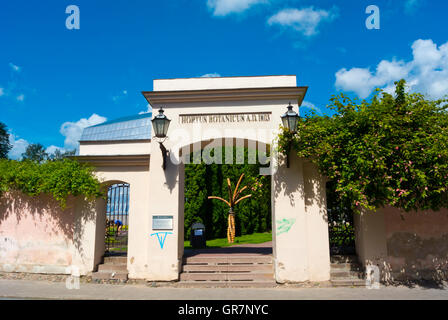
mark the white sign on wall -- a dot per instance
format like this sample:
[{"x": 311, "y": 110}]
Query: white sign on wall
[{"x": 162, "y": 222}]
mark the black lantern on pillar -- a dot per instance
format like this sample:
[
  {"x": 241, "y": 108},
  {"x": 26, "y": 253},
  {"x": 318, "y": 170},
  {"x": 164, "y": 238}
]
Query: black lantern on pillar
[
  {"x": 290, "y": 121},
  {"x": 161, "y": 123}
]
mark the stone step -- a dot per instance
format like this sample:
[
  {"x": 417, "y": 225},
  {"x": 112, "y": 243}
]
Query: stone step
[
  {"x": 346, "y": 274},
  {"x": 249, "y": 260},
  {"x": 226, "y": 284},
  {"x": 113, "y": 267},
  {"x": 344, "y": 259},
  {"x": 116, "y": 260},
  {"x": 259, "y": 277},
  {"x": 107, "y": 275},
  {"x": 228, "y": 268},
  {"x": 348, "y": 283},
  {"x": 347, "y": 266}
]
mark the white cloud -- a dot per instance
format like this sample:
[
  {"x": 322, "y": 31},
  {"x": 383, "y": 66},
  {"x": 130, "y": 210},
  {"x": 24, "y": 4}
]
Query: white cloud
[
  {"x": 305, "y": 21},
  {"x": 20, "y": 97},
  {"x": 311, "y": 106},
  {"x": 120, "y": 96},
  {"x": 211, "y": 75},
  {"x": 73, "y": 130},
  {"x": 148, "y": 109},
  {"x": 14, "y": 67},
  {"x": 2, "y": 92},
  {"x": 225, "y": 7},
  {"x": 426, "y": 73},
  {"x": 52, "y": 149},
  {"x": 18, "y": 147}
]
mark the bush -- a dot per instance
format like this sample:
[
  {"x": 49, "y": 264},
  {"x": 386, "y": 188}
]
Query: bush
[
  {"x": 58, "y": 178},
  {"x": 387, "y": 151}
]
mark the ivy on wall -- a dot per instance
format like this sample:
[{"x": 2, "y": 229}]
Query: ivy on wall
[
  {"x": 391, "y": 150},
  {"x": 203, "y": 180},
  {"x": 59, "y": 178}
]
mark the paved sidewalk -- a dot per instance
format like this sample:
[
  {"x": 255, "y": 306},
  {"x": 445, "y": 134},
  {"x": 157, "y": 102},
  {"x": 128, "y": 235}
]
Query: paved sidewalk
[{"x": 49, "y": 290}]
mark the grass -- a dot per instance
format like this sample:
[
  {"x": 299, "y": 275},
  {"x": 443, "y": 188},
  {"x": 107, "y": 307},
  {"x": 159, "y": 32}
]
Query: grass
[{"x": 246, "y": 239}]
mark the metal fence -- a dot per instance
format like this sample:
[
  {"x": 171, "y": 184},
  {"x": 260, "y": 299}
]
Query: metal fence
[{"x": 117, "y": 219}]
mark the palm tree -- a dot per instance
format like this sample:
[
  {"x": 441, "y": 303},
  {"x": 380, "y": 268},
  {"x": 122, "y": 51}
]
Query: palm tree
[{"x": 233, "y": 201}]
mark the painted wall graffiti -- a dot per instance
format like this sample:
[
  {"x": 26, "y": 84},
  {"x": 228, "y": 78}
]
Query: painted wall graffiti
[
  {"x": 161, "y": 236},
  {"x": 284, "y": 225}
]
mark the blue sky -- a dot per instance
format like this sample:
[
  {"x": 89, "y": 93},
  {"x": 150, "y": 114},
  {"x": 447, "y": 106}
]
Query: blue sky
[{"x": 55, "y": 81}]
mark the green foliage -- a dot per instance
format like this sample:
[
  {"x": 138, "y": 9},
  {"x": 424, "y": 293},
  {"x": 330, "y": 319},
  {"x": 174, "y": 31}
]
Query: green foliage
[
  {"x": 35, "y": 152},
  {"x": 58, "y": 155},
  {"x": 58, "y": 178},
  {"x": 5, "y": 146},
  {"x": 202, "y": 180},
  {"x": 386, "y": 151}
]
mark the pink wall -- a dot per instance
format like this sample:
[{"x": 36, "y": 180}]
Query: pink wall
[
  {"x": 417, "y": 243},
  {"x": 37, "y": 236}
]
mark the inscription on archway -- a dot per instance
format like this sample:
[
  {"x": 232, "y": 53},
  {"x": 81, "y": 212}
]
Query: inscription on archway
[{"x": 225, "y": 117}]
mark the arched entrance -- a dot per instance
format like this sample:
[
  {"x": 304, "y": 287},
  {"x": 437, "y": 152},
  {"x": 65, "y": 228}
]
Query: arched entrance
[
  {"x": 248, "y": 108},
  {"x": 117, "y": 219},
  {"x": 114, "y": 226},
  {"x": 249, "y": 260}
]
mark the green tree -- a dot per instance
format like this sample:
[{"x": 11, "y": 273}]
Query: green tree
[
  {"x": 201, "y": 180},
  {"x": 5, "y": 146},
  {"x": 391, "y": 150},
  {"x": 58, "y": 155},
  {"x": 35, "y": 152}
]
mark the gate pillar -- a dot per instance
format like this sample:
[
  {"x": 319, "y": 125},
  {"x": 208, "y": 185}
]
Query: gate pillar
[
  {"x": 165, "y": 239},
  {"x": 300, "y": 227}
]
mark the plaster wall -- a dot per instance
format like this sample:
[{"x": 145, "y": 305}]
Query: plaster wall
[
  {"x": 224, "y": 83},
  {"x": 37, "y": 236},
  {"x": 104, "y": 148},
  {"x": 404, "y": 245}
]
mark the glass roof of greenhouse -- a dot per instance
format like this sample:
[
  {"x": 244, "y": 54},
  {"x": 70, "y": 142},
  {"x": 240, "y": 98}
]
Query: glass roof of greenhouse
[{"x": 136, "y": 127}]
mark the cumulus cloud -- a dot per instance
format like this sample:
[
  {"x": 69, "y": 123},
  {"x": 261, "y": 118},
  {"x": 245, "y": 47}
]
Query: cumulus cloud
[
  {"x": 52, "y": 149},
  {"x": 2, "y": 92},
  {"x": 211, "y": 75},
  {"x": 72, "y": 131},
  {"x": 18, "y": 146},
  {"x": 20, "y": 97},
  {"x": 426, "y": 73},
  {"x": 225, "y": 7},
  {"x": 305, "y": 21}
]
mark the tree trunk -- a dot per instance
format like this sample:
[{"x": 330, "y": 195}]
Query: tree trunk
[{"x": 231, "y": 227}]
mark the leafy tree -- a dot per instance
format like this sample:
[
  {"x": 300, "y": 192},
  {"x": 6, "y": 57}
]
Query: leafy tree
[
  {"x": 202, "y": 180},
  {"x": 35, "y": 152},
  {"x": 5, "y": 146},
  {"x": 391, "y": 150},
  {"x": 58, "y": 155}
]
